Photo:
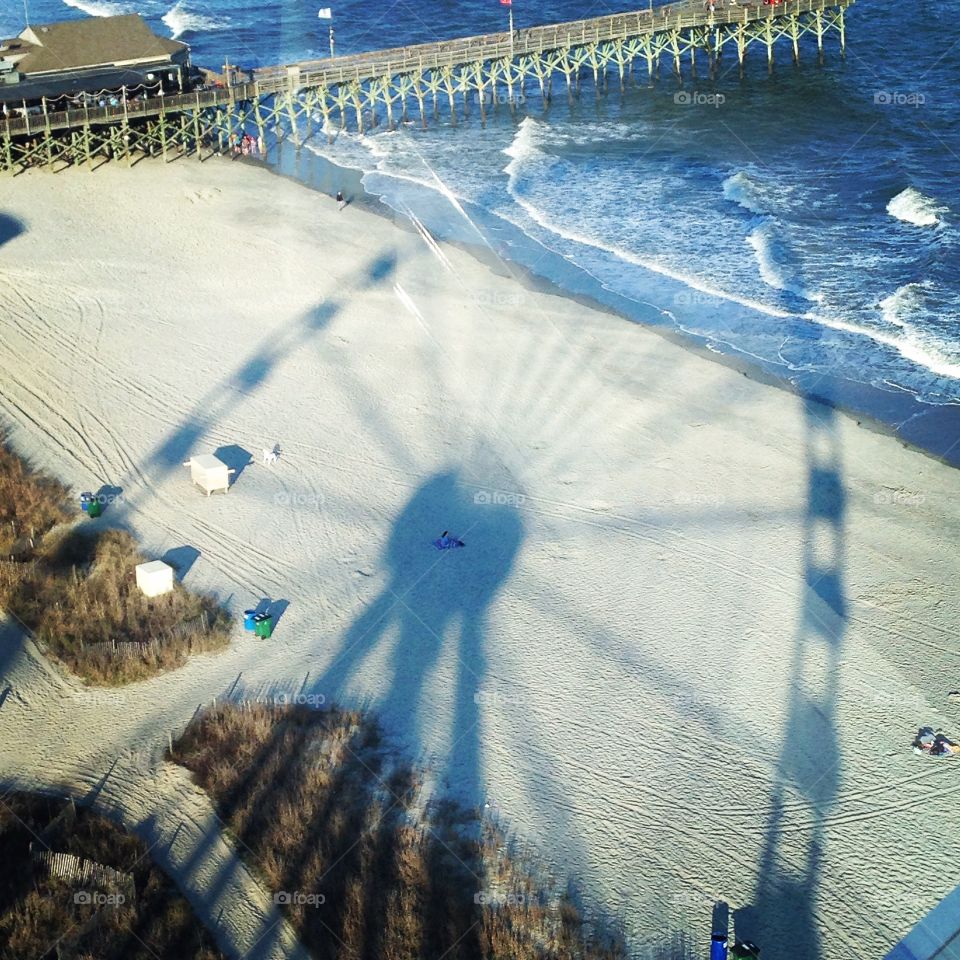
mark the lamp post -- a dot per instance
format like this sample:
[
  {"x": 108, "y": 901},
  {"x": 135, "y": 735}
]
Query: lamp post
[{"x": 326, "y": 13}]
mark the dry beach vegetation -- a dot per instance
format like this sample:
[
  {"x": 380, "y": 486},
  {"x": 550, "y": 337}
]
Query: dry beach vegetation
[
  {"x": 129, "y": 911},
  {"x": 364, "y": 862},
  {"x": 74, "y": 588}
]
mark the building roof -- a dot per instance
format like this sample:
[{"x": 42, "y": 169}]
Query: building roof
[{"x": 90, "y": 42}]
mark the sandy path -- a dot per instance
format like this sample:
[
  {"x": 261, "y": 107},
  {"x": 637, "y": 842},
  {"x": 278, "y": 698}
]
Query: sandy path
[{"x": 696, "y": 623}]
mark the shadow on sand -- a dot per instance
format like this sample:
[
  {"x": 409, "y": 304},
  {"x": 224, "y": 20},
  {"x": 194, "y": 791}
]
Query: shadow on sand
[
  {"x": 434, "y": 611},
  {"x": 10, "y": 228},
  {"x": 782, "y": 919}
]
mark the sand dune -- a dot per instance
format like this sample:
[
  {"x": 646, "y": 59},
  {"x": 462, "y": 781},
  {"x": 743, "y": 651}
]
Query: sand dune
[{"x": 695, "y": 626}]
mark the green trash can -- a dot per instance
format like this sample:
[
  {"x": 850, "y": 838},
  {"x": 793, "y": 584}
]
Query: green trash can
[
  {"x": 263, "y": 625},
  {"x": 94, "y": 508}
]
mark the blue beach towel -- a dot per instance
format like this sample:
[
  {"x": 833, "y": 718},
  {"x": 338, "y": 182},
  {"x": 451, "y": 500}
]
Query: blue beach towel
[{"x": 448, "y": 543}]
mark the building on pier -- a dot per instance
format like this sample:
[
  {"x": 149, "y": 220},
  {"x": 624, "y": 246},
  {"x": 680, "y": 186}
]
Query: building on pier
[{"x": 80, "y": 58}]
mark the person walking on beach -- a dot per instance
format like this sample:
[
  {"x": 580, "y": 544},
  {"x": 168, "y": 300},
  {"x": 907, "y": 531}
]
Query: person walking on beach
[{"x": 341, "y": 203}]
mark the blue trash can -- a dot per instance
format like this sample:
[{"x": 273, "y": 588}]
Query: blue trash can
[
  {"x": 85, "y": 500},
  {"x": 248, "y": 616},
  {"x": 718, "y": 947}
]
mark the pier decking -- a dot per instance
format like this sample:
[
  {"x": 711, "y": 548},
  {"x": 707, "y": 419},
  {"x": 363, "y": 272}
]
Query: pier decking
[{"x": 297, "y": 100}]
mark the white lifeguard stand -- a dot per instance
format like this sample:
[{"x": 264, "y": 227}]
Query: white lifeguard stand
[
  {"x": 209, "y": 473},
  {"x": 154, "y": 578}
]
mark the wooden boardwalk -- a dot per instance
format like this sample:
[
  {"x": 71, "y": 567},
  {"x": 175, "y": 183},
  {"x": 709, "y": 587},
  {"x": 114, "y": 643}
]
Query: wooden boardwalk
[{"x": 364, "y": 89}]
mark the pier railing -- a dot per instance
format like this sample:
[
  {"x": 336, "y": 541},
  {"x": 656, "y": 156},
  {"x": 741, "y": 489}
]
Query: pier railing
[
  {"x": 533, "y": 40},
  {"x": 443, "y": 55}
]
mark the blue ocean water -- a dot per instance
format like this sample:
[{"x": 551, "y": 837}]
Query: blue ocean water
[{"x": 805, "y": 220}]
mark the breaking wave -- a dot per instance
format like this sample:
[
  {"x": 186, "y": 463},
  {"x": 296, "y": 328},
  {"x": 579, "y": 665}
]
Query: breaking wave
[
  {"x": 903, "y": 304},
  {"x": 773, "y": 260},
  {"x": 911, "y": 206},
  {"x": 181, "y": 20},
  {"x": 742, "y": 189},
  {"x": 99, "y": 8}
]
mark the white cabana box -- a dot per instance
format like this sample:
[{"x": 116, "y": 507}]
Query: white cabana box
[
  {"x": 209, "y": 473},
  {"x": 154, "y": 578}
]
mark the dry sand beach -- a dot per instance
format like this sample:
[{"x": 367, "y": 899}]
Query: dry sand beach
[{"x": 695, "y": 626}]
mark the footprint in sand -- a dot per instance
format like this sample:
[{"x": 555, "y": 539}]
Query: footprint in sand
[{"x": 202, "y": 196}]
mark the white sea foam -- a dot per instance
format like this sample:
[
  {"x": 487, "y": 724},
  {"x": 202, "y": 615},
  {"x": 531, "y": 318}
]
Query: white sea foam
[
  {"x": 180, "y": 19},
  {"x": 524, "y": 153},
  {"x": 771, "y": 255},
  {"x": 742, "y": 189},
  {"x": 911, "y": 345},
  {"x": 903, "y": 304},
  {"x": 526, "y": 148},
  {"x": 99, "y": 8},
  {"x": 905, "y": 313},
  {"x": 385, "y": 162},
  {"x": 911, "y": 206}
]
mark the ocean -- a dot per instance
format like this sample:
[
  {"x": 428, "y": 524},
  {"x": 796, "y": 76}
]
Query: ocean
[{"x": 804, "y": 222}]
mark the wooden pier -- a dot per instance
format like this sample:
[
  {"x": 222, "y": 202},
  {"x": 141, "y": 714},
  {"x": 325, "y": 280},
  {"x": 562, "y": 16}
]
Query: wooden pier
[{"x": 298, "y": 101}]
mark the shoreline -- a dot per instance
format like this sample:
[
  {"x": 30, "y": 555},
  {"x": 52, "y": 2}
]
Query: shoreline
[{"x": 934, "y": 430}]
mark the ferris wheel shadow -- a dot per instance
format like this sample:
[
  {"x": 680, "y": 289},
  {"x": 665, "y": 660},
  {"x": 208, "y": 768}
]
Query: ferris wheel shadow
[
  {"x": 431, "y": 619},
  {"x": 782, "y": 918}
]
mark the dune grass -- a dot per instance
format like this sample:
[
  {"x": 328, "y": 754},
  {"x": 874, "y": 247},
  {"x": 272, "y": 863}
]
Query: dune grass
[
  {"x": 40, "y": 916},
  {"x": 81, "y": 600},
  {"x": 365, "y": 866},
  {"x": 74, "y": 587},
  {"x": 31, "y": 504}
]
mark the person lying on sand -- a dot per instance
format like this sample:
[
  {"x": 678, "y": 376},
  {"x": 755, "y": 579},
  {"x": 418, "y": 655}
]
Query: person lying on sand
[
  {"x": 943, "y": 747},
  {"x": 934, "y": 744}
]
